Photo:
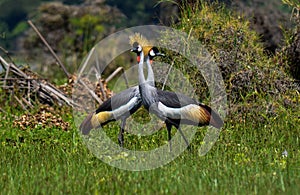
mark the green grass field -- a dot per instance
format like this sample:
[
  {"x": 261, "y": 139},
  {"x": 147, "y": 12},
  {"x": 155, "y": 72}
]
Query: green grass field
[{"x": 246, "y": 159}]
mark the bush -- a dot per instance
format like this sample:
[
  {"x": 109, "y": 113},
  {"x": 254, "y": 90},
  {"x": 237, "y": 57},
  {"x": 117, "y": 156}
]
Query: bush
[
  {"x": 71, "y": 30},
  {"x": 289, "y": 56},
  {"x": 250, "y": 74}
]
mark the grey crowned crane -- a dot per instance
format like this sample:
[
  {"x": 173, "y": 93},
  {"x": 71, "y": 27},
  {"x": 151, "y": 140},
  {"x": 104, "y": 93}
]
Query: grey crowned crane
[
  {"x": 173, "y": 108},
  {"x": 119, "y": 107}
]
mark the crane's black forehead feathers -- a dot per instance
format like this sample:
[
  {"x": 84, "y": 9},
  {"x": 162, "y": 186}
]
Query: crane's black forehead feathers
[
  {"x": 135, "y": 44},
  {"x": 155, "y": 49}
]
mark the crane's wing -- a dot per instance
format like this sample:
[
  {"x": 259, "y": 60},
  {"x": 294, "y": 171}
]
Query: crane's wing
[
  {"x": 174, "y": 100},
  {"x": 119, "y": 99},
  {"x": 177, "y": 106},
  {"x": 121, "y": 105}
]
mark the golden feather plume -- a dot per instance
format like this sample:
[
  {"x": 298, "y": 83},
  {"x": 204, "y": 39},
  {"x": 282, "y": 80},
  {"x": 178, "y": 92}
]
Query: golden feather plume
[{"x": 142, "y": 41}]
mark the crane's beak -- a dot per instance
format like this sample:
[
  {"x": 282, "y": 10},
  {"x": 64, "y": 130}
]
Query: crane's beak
[
  {"x": 160, "y": 54},
  {"x": 135, "y": 50}
]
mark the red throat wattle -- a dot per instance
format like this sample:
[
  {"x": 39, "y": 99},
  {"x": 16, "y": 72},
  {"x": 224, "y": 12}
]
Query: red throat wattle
[{"x": 138, "y": 58}]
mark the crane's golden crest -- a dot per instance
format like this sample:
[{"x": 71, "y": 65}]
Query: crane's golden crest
[{"x": 142, "y": 41}]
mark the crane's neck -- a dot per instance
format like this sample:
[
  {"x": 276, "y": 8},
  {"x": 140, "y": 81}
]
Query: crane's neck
[
  {"x": 141, "y": 69},
  {"x": 147, "y": 91},
  {"x": 150, "y": 74}
]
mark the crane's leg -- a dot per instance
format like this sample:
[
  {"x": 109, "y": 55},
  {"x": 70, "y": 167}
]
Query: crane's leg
[
  {"x": 181, "y": 133},
  {"x": 169, "y": 128},
  {"x": 121, "y": 133}
]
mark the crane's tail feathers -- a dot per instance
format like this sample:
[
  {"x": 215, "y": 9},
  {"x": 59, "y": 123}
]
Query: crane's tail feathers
[
  {"x": 86, "y": 125},
  {"x": 95, "y": 120},
  {"x": 214, "y": 118}
]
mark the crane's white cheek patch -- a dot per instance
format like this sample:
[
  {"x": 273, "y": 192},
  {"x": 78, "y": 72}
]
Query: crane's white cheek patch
[
  {"x": 152, "y": 53},
  {"x": 139, "y": 48}
]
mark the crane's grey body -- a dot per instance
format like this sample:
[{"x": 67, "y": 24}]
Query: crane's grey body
[
  {"x": 174, "y": 108},
  {"x": 151, "y": 99},
  {"x": 125, "y": 97}
]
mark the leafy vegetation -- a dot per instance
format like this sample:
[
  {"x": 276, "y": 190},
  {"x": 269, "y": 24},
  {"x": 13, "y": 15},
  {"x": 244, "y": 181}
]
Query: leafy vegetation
[
  {"x": 256, "y": 86},
  {"x": 137, "y": 12},
  {"x": 13, "y": 18},
  {"x": 258, "y": 150},
  {"x": 289, "y": 57},
  {"x": 76, "y": 27}
]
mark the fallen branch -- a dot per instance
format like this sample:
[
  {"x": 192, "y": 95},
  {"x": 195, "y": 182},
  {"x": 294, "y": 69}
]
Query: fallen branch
[
  {"x": 91, "y": 92},
  {"x": 20, "y": 102},
  {"x": 115, "y": 73},
  {"x": 46, "y": 92}
]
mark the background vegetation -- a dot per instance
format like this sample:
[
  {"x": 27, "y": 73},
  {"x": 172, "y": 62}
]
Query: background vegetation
[{"x": 258, "y": 150}]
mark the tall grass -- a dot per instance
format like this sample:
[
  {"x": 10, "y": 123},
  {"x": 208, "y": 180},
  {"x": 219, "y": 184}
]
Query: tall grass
[{"x": 247, "y": 158}]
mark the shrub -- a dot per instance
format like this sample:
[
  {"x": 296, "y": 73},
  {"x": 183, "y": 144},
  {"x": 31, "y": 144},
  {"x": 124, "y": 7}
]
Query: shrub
[
  {"x": 250, "y": 74},
  {"x": 289, "y": 56}
]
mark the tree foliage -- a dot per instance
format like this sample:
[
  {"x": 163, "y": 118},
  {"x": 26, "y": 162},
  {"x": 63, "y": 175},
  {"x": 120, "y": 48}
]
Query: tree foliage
[
  {"x": 137, "y": 12},
  {"x": 13, "y": 18}
]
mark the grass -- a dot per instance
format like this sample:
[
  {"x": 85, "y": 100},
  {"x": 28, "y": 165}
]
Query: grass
[{"x": 246, "y": 159}]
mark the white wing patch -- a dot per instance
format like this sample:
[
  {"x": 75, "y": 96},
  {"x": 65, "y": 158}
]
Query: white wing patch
[
  {"x": 189, "y": 112},
  {"x": 117, "y": 113}
]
